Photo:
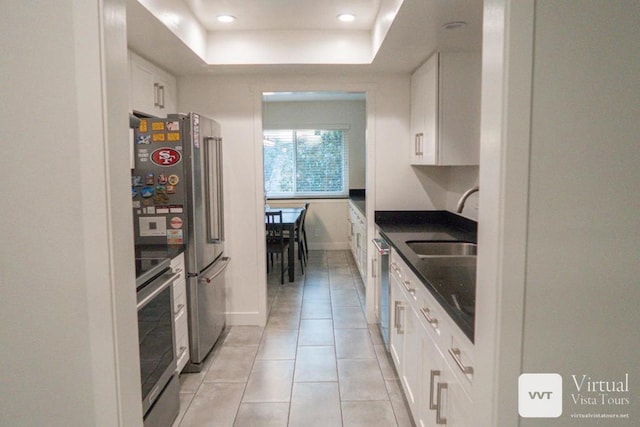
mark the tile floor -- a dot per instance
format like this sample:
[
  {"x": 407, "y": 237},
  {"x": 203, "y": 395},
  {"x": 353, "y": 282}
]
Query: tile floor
[{"x": 316, "y": 363}]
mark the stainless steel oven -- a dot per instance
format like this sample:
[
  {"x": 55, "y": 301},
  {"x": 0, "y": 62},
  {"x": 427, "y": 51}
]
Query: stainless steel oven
[{"x": 160, "y": 387}]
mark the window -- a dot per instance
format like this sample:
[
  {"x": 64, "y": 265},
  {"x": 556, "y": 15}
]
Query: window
[{"x": 305, "y": 162}]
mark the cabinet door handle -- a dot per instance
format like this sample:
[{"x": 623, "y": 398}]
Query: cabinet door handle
[
  {"x": 178, "y": 270},
  {"x": 434, "y": 373},
  {"x": 400, "y": 329},
  {"x": 439, "y": 418},
  {"x": 155, "y": 94},
  {"x": 418, "y": 143},
  {"x": 395, "y": 314},
  {"x": 161, "y": 96},
  {"x": 427, "y": 315},
  {"x": 455, "y": 353}
]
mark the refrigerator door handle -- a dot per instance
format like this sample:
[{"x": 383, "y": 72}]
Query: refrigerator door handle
[
  {"x": 213, "y": 189},
  {"x": 208, "y": 278}
]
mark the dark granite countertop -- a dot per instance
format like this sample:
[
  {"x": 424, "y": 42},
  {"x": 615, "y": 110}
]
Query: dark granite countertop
[
  {"x": 359, "y": 199},
  {"x": 456, "y": 277}
]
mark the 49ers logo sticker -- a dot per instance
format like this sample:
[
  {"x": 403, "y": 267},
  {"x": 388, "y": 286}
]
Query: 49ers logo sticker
[{"x": 166, "y": 157}]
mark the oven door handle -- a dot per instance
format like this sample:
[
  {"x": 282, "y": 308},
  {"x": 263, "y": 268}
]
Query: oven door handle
[{"x": 167, "y": 282}]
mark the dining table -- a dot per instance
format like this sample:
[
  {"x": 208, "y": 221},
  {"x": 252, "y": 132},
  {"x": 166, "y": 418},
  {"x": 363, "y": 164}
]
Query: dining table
[{"x": 290, "y": 217}]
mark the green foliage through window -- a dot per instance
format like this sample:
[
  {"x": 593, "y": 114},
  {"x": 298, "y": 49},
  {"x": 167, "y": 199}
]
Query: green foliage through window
[{"x": 305, "y": 162}]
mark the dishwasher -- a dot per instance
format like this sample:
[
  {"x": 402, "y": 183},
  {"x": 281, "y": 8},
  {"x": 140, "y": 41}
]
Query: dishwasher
[{"x": 383, "y": 290}]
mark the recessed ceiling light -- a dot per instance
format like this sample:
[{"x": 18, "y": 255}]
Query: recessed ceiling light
[
  {"x": 453, "y": 25},
  {"x": 346, "y": 17},
  {"x": 226, "y": 18}
]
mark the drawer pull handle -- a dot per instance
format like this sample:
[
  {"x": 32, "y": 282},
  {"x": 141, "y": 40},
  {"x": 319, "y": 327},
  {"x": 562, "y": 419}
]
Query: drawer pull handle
[
  {"x": 427, "y": 315},
  {"x": 178, "y": 270},
  {"x": 407, "y": 286},
  {"x": 455, "y": 353}
]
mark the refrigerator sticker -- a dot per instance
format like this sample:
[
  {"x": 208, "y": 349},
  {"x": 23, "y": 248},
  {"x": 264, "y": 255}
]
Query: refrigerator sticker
[
  {"x": 173, "y": 179},
  {"x": 162, "y": 179},
  {"x": 136, "y": 204},
  {"x": 144, "y": 127},
  {"x": 147, "y": 192},
  {"x": 149, "y": 179},
  {"x": 160, "y": 199},
  {"x": 171, "y": 189},
  {"x": 176, "y": 209},
  {"x": 143, "y": 139},
  {"x": 166, "y": 157},
  {"x": 173, "y": 136},
  {"x": 157, "y": 125},
  {"x": 136, "y": 181},
  {"x": 176, "y": 222},
  {"x": 158, "y": 137},
  {"x": 195, "y": 131},
  {"x": 153, "y": 226},
  {"x": 162, "y": 209},
  {"x": 134, "y": 192},
  {"x": 173, "y": 126},
  {"x": 174, "y": 237}
]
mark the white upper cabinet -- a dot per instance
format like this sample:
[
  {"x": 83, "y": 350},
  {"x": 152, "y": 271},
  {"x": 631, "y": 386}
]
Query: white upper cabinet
[
  {"x": 153, "y": 90},
  {"x": 445, "y": 110}
]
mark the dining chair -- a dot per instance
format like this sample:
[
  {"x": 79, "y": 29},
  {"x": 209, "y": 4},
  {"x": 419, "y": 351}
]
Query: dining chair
[
  {"x": 301, "y": 237},
  {"x": 276, "y": 242},
  {"x": 303, "y": 230}
]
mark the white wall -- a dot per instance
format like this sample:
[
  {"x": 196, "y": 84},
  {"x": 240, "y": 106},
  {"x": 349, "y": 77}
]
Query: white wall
[
  {"x": 326, "y": 222},
  {"x": 444, "y": 185},
  {"x": 235, "y": 101},
  {"x": 67, "y": 283},
  {"x": 350, "y": 113},
  {"x": 584, "y": 211},
  {"x": 557, "y": 277}
]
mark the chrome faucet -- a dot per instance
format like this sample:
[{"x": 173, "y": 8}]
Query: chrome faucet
[{"x": 464, "y": 198}]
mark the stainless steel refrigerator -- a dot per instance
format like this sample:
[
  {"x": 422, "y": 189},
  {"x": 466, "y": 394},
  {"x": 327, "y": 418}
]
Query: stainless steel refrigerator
[{"x": 178, "y": 200}]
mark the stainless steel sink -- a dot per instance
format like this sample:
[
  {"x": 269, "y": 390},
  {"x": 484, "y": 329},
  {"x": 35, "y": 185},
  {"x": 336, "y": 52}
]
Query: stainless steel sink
[
  {"x": 431, "y": 248},
  {"x": 454, "y": 278}
]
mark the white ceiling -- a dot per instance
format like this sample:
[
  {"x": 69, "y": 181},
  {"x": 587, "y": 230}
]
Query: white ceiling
[
  {"x": 285, "y": 14},
  {"x": 415, "y": 33}
]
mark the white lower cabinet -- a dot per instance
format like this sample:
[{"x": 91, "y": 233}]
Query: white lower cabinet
[
  {"x": 437, "y": 387},
  {"x": 181, "y": 330},
  {"x": 358, "y": 239},
  {"x": 444, "y": 402}
]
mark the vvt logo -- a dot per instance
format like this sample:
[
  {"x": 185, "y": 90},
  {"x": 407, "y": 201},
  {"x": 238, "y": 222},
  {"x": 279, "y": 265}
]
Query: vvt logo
[{"x": 540, "y": 395}]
